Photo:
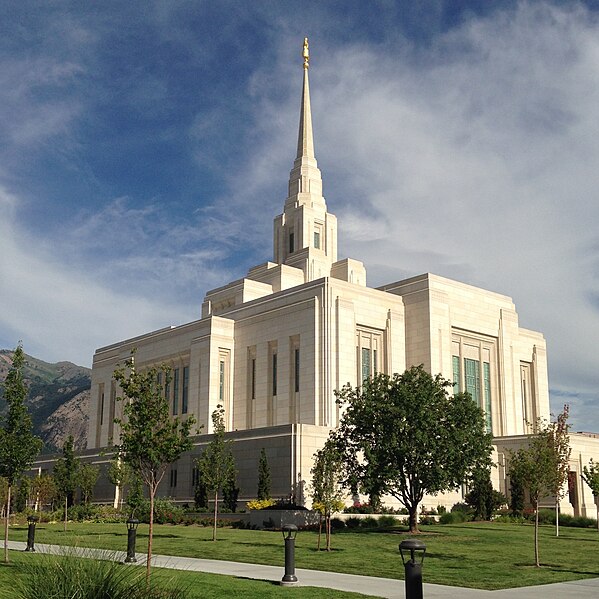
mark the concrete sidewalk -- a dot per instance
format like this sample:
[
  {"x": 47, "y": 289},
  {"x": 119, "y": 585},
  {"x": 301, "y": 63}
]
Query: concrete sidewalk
[{"x": 367, "y": 585}]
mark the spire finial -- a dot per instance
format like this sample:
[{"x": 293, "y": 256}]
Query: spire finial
[{"x": 306, "y": 53}]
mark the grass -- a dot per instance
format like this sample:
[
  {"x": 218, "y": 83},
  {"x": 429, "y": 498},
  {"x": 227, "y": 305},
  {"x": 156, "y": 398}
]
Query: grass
[
  {"x": 478, "y": 555},
  {"x": 197, "y": 585}
]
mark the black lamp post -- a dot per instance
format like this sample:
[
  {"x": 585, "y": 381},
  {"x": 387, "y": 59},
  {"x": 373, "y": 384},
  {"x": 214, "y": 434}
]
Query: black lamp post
[
  {"x": 132, "y": 525},
  {"x": 32, "y": 520},
  {"x": 289, "y": 533},
  {"x": 412, "y": 561}
]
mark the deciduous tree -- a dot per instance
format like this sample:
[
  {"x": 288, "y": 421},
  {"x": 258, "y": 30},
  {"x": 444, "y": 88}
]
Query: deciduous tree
[
  {"x": 87, "y": 478},
  {"x": 560, "y": 441},
  {"x": 150, "y": 439},
  {"x": 590, "y": 475},
  {"x": 407, "y": 435},
  {"x": 216, "y": 464},
  {"x": 327, "y": 486},
  {"x": 18, "y": 445},
  {"x": 66, "y": 470}
]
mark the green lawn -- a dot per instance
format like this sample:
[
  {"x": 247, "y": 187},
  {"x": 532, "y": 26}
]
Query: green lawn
[{"x": 480, "y": 555}]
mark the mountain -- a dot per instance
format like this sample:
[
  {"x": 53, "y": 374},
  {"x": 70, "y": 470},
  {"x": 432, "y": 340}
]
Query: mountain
[{"x": 58, "y": 399}]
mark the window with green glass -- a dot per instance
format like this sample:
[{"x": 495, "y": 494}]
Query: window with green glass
[
  {"x": 472, "y": 378},
  {"x": 176, "y": 391},
  {"x": 487, "y": 387},
  {"x": 185, "y": 397},
  {"x": 366, "y": 370},
  {"x": 456, "y": 373}
]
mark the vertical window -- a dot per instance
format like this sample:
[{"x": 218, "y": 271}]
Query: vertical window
[
  {"x": 274, "y": 374},
  {"x": 366, "y": 371},
  {"x": 291, "y": 243},
  {"x": 167, "y": 390},
  {"x": 102, "y": 405},
  {"x": 456, "y": 373},
  {"x": 173, "y": 481},
  {"x": 472, "y": 376},
  {"x": 185, "y": 398},
  {"x": 487, "y": 388},
  {"x": 297, "y": 369},
  {"x": 221, "y": 382},
  {"x": 317, "y": 239},
  {"x": 195, "y": 477},
  {"x": 159, "y": 378},
  {"x": 253, "y": 375},
  {"x": 176, "y": 391}
]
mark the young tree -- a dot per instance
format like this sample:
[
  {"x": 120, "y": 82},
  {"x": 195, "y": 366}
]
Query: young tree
[
  {"x": 327, "y": 488},
  {"x": 87, "y": 478},
  {"x": 406, "y": 436},
  {"x": 590, "y": 475},
  {"x": 480, "y": 498},
  {"x": 119, "y": 474},
  {"x": 43, "y": 490},
  {"x": 66, "y": 470},
  {"x": 22, "y": 495},
  {"x": 263, "y": 476},
  {"x": 231, "y": 492},
  {"x": 216, "y": 464},
  {"x": 537, "y": 468},
  {"x": 150, "y": 438},
  {"x": 560, "y": 441},
  {"x": 18, "y": 445}
]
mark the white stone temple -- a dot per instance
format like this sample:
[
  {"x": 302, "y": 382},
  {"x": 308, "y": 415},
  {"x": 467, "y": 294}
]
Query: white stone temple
[{"x": 273, "y": 346}]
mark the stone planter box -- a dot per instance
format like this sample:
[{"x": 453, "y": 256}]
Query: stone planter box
[{"x": 277, "y": 518}]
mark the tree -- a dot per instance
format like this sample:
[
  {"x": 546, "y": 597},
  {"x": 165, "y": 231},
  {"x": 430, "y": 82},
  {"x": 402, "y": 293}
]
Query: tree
[
  {"x": 66, "y": 470},
  {"x": 18, "y": 445},
  {"x": 537, "y": 468},
  {"x": 43, "y": 490},
  {"x": 327, "y": 487},
  {"x": 560, "y": 441},
  {"x": 87, "y": 478},
  {"x": 231, "y": 492},
  {"x": 119, "y": 474},
  {"x": 483, "y": 498},
  {"x": 406, "y": 436},
  {"x": 590, "y": 475},
  {"x": 22, "y": 495},
  {"x": 263, "y": 476},
  {"x": 150, "y": 439},
  {"x": 216, "y": 464}
]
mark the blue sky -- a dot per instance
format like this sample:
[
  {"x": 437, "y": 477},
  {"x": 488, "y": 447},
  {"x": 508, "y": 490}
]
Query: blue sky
[{"x": 145, "y": 149}]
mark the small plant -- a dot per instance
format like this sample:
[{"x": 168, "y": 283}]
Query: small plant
[{"x": 260, "y": 504}]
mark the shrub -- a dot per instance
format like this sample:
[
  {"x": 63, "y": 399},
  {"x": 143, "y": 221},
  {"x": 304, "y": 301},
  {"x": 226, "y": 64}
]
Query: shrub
[
  {"x": 388, "y": 521},
  {"x": 461, "y": 507},
  {"x": 424, "y": 519},
  {"x": 369, "y": 522},
  {"x": 453, "y": 517},
  {"x": 260, "y": 504},
  {"x": 84, "y": 575},
  {"x": 352, "y": 522},
  {"x": 337, "y": 524}
]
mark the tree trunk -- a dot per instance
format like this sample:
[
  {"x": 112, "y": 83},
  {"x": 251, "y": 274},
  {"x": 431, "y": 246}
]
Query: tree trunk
[
  {"x": 66, "y": 511},
  {"x": 152, "y": 490},
  {"x": 413, "y": 518},
  {"x": 557, "y": 516},
  {"x": 537, "y": 563},
  {"x": 328, "y": 525},
  {"x": 215, "y": 515},
  {"x": 320, "y": 530},
  {"x": 6, "y": 520},
  {"x": 598, "y": 516}
]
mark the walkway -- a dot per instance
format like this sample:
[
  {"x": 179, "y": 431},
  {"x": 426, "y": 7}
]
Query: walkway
[{"x": 367, "y": 585}]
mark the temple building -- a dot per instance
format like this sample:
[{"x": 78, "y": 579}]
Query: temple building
[{"x": 273, "y": 346}]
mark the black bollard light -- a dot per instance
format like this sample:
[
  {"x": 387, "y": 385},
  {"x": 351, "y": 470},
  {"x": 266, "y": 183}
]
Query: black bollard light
[
  {"x": 32, "y": 521},
  {"x": 132, "y": 525},
  {"x": 289, "y": 533},
  {"x": 412, "y": 561}
]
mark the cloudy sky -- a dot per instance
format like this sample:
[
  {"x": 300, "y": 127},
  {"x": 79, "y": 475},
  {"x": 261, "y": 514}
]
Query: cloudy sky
[{"x": 145, "y": 149}]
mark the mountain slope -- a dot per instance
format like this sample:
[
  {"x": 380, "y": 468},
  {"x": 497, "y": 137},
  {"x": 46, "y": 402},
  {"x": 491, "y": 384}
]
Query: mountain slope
[{"x": 58, "y": 399}]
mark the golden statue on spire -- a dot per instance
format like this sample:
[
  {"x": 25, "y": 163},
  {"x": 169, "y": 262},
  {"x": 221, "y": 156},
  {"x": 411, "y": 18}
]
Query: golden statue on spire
[{"x": 306, "y": 53}]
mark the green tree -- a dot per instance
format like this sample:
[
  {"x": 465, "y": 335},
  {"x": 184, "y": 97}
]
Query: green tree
[
  {"x": 231, "y": 492},
  {"x": 66, "y": 471},
  {"x": 263, "y": 476},
  {"x": 43, "y": 490},
  {"x": 560, "y": 441},
  {"x": 200, "y": 495},
  {"x": 216, "y": 464},
  {"x": 18, "y": 445},
  {"x": 87, "y": 477},
  {"x": 590, "y": 475},
  {"x": 22, "y": 495},
  {"x": 327, "y": 487},
  {"x": 482, "y": 497},
  {"x": 516, "y": 492},
  {"x": 406, "y": 436},
  {"x": 536, "y": 468},
  {"x": 119, "y": 474},
  {"x": 150, "y": 439}
]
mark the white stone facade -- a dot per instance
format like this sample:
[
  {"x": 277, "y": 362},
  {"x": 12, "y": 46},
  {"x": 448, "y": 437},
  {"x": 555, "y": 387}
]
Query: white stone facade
[{"x": 274, "y": 346}]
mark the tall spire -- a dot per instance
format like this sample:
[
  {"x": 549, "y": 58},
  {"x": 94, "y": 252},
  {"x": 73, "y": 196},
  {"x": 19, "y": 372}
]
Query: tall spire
[{"x": 305, "y": 141}]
